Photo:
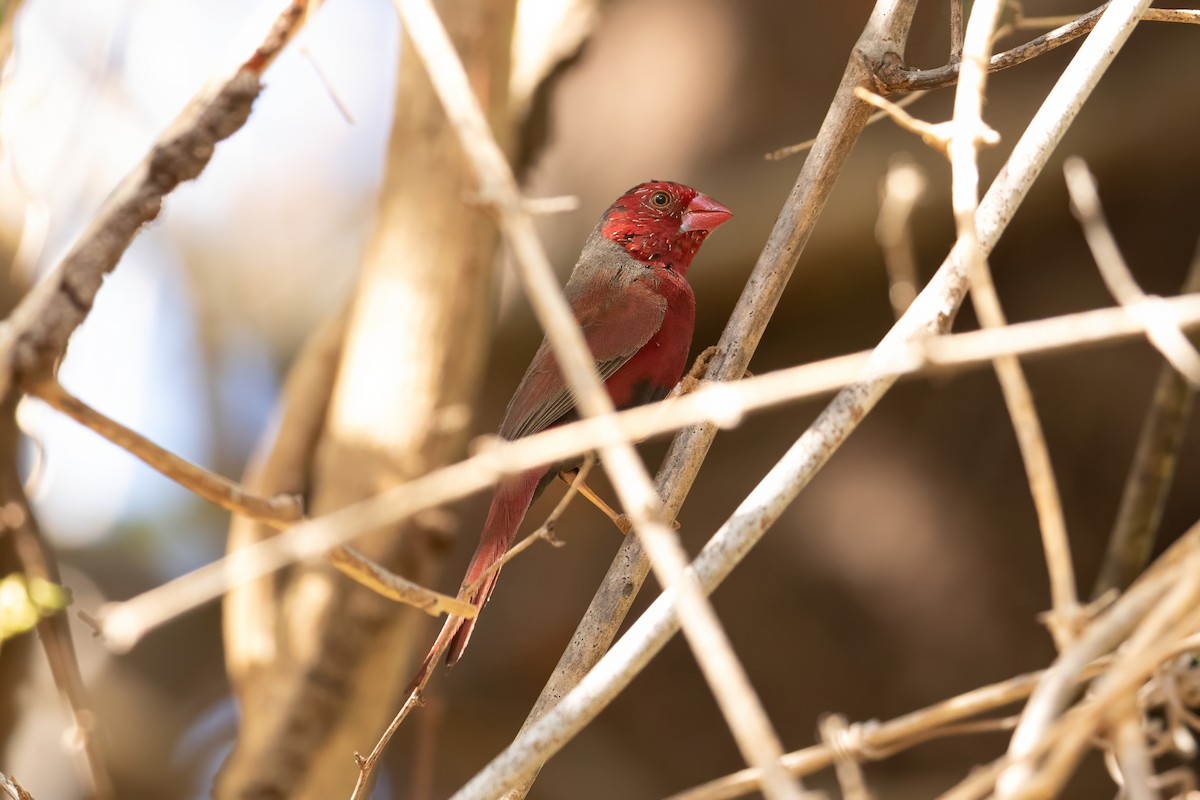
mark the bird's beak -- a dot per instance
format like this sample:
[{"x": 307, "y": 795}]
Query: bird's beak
[{"x": 704, "y": 214}]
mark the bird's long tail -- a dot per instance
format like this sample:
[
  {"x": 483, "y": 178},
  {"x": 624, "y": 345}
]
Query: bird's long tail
[{"x": 509, "y": 506}]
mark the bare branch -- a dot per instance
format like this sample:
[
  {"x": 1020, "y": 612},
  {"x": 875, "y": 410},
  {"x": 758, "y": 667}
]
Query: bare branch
[
  {"x": 394, "y": 587},
  {"x": 1150, "y": 474},
  {"x": 1085, "y": 202},
  {"x": 222, "y": 492},
  {"x": 899, "y": 191},
  {"x": 34, "y": 337},
  {"x": 794, "y": 149},
  {"x": 907, "y": 80},
  {"x": 969, "y": 132},
  {"x": 12, "y": 789},
  {"x": 885, "y": 739},
  {"x": 54, "y": 632},
  {"x": 717, "y": 404},
  {"x": 1133, "y": 757}
]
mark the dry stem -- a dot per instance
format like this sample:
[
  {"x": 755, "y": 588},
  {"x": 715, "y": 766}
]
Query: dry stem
[
  {"x": 395, "y": 587},
  {"x": 277, "y": 511},
  {"x": 879, "y": 740},
  {"x": 124, "y": 623},
  {"x": 963, "y": 147},
  {"x": 1170, "y": 341},
  {"x": 900, "y": 191},
  {"x": 34, "y": 337},
  {"x": 1151, "y": 474},
  {"x": 907, "y": 80}
]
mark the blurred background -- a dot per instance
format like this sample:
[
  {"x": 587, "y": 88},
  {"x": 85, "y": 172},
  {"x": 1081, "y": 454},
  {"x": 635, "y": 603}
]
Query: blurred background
[{"x": 910, "y": 570}]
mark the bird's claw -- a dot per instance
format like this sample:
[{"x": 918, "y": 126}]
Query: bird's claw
[
  {"x": 696, "y": 376},
  {"x": 625, "y": 526}
]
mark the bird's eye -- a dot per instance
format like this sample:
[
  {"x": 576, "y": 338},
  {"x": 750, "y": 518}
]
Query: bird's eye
[{"x": 660, "y": 199}]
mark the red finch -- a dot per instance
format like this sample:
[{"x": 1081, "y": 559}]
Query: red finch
[{"x": 630, "y": 295}]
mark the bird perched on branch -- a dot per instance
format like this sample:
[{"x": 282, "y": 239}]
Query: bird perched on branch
[{"x": 630, "y": 295}]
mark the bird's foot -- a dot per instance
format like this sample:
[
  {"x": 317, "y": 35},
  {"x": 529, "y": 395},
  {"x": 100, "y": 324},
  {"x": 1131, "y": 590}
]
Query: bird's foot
[
  {"x": 625, "y": 526},
  {"x": 696, "y": 376}
]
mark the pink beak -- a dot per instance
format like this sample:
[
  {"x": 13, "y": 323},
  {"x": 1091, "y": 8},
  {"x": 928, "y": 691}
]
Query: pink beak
[{"x": 704, "y": 214}]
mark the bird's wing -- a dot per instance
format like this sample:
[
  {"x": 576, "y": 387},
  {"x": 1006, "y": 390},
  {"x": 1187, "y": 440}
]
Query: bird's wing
[{"x": 616, "y": 322}]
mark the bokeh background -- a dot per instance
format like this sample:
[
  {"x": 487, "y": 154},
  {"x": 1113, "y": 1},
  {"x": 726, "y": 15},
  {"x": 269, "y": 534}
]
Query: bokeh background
[{"x": 911, "y": 568}]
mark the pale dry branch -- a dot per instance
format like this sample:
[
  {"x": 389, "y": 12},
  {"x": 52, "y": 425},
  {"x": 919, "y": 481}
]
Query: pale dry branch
[
  {"x": 395, "y": 587},
  {"x": 1151, "y": 473},
  {"x": 280, "y": 464},
  {"x": 54, "y": 632},
  {"x": 934, "y": 135},
  {"x": 727, "y": 679},
  {"x": 907, "y": 80},
  {"x": 1140, "y": 608},
  {"x": 881, "y": 114},
  {"x": 12, "y": 789},
  {"x": 957, "y": 32},
  {"x": 278, "y": 511},
  {"x": 1134, "y": 763},
  {"x": 1085, "y": 202},
  {"x": 34, "y": 337},
  {"x": 124, "y": 623},
  {"x": 900, "y": 191},
  {"x": 1173, "y": 617},
  {"x": 969, "y": 133},
  {"x": 844, "y": 740},
  {"x": 930, "y": 313}
]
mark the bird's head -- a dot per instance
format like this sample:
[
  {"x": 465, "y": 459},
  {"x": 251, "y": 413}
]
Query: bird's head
[{"x": 662, "y": 223}]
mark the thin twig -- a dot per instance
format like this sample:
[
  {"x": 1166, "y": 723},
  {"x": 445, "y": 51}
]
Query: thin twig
[
  {"x": 907, "y": 80},
  {"x": 727, "y": 679},
  {"x": 1174, "y": 616},
  {"x": 1151, "y": 473},
  {"x": 54, "y": 632},
  {"x": 34, "y": 337},
  {"x": 395, "y": 587},
  {"x": 956, "y": 31},
  {"x": 800, "y": 147},
  {"x": 1085, "y": 202},
  {"x": 877, "y": 741},
  {"x": 837, "y": 734},
  {"x": 969, "y": 134},
  {"x": 12, "y": 789},
  {"x": 931, "y": 312},
  {"x": 278, "y": 511},
  {"x": 545, "y": 531},
  {"x": 724, "y": 404},
  {"x": 1133, "y": 757},
  {"x": 414, "y": 694},
  {"x": 899, "y": 192},
  {"x": 1110, "y": 629}
]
